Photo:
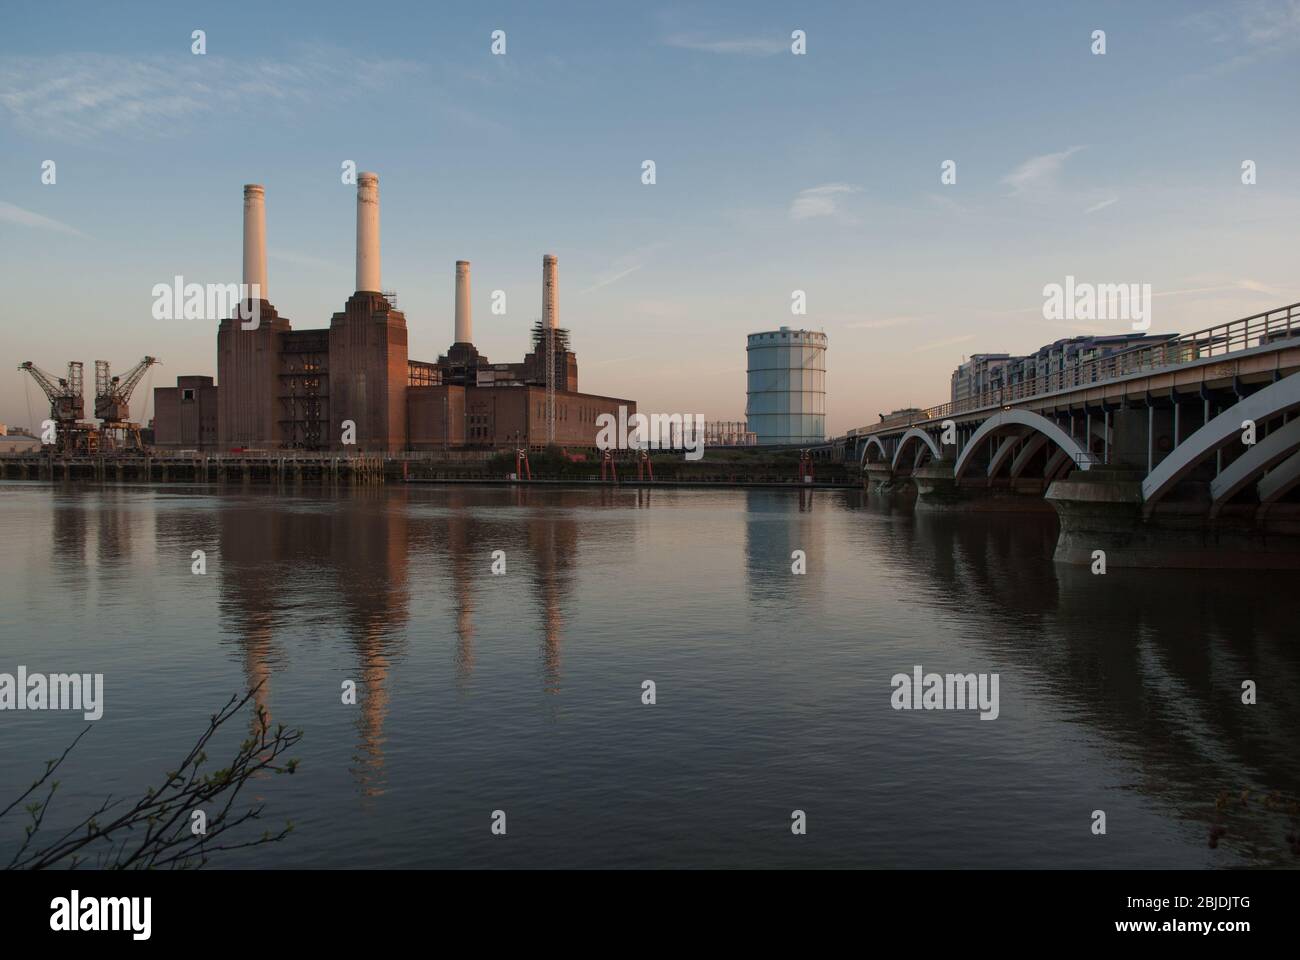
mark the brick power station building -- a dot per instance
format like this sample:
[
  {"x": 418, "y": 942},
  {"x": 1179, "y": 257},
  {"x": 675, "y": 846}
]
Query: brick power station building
[{"x": 279, "y": 388}]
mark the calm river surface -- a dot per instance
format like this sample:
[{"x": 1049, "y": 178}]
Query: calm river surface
[{"x": 522, "y": 692}]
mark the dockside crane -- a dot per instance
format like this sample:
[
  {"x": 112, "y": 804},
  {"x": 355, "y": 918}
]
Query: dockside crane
[
  {"x": 113, "y": 405},
  {"x": 66, "y": 406}
]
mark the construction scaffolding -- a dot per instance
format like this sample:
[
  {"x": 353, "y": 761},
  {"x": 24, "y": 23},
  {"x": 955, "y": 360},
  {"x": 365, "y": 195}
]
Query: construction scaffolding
[{"x": 552, "y": 344}]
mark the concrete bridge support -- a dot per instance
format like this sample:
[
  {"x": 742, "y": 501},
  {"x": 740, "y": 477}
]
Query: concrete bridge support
[
  {"x": 1102, "y": 510},
  {"x": 879, "y": 478},
  {"x": 938, "y": 490},
  {"x": 1178, "y": 507},
  {"x": 1140, "y": 437}
]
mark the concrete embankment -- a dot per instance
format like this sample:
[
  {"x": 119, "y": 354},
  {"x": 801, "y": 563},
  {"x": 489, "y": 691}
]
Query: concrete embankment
[{"x": 271, "y": 468}]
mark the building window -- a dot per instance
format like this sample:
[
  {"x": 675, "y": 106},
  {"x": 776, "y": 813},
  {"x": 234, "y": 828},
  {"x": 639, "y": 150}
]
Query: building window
[{"x": 187, "y": 394}]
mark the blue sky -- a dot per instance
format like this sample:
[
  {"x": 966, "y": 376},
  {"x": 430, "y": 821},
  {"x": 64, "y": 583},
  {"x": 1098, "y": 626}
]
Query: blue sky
[{"x": 775, "y": 172}]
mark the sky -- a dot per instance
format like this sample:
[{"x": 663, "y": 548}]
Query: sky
[{"x": 774, "y": 172}]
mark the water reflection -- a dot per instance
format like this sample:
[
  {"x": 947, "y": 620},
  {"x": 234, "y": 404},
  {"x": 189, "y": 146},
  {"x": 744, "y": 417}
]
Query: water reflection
[
  {"x": 280, "y": 562},
  {"x": 369, "y": 554},
  {"x": 551, "y": 538},
  {"x": 1153, "y": 660},
  {"x": 1131, "y": 679},
  {"x": 782, "y": 534},
  {"x": 347, "y": 563}
]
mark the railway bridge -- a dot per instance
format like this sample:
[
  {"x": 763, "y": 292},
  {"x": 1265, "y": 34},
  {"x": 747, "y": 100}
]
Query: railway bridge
[{"x": 1183, "y": 452}]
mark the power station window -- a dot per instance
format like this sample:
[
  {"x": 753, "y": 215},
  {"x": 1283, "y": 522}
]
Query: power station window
[{"x": 187, "y": 394}]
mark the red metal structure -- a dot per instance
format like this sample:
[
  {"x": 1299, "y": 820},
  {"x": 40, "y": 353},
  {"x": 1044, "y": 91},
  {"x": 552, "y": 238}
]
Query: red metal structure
[{"x": 805, "y": 466}]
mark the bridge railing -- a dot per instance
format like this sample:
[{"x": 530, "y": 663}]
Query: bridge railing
[{"x": 1271, "y": 326}]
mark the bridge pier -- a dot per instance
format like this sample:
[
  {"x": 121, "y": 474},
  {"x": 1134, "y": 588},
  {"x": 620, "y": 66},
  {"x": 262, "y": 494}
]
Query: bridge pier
[
  {"x": 937, "y": 490},
  {"x": 879, "y": 478},
  {"x": 1102, "y": 509}
]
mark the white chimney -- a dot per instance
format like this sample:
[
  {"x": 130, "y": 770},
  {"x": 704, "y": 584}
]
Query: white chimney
[
  {"x": 368, "y": 232},
  {"x": 550, "y": 293},
  {"x": 255, "y": 239},
  {"x": 464, "y": 319}
]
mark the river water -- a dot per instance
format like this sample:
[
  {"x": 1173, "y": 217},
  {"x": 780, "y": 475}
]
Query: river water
[{"x": 522, "y": 691}]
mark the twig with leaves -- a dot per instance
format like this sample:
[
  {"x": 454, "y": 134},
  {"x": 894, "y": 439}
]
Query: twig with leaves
[{"x": 155, "y": 831}]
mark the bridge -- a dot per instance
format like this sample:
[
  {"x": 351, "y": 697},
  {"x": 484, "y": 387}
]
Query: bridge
[{"x": 1183, "y": 451}]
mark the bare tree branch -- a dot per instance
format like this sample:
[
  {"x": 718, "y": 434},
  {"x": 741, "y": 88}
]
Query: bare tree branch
[{"x": 156, "y": 831}]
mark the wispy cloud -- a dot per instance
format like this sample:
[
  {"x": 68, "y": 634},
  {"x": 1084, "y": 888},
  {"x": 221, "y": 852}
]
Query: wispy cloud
[
  {"x": 1254, "y": 286},
  {"x": 1078, "y": 328},
  {"x": 1236, "y": 286},
  {"x": 736, "y": 46},
  {"x": 664, "y": 309},
  {"x": 26, "y": 218},
  {"x": 1251, "y": 31},
  {"x": 1258, "y": 24},
  {"x": 1037, "y": 177},
  {"x": 81, "y": 96},
  {"x": 612, "y": 278},
  {"x": 1102, "y": 205},
  {"x": 1243, "y": 285},
  {"x": 302, "y": 259},
  {"x": 822, "y": 201},
  {"x": 881, "y": 324},
  {"x": 945, "y": 202},
  {"x": 949, "y": 342},
  {"x": 625, "y": 265},
  {"x": 1271, "y": 24}
]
